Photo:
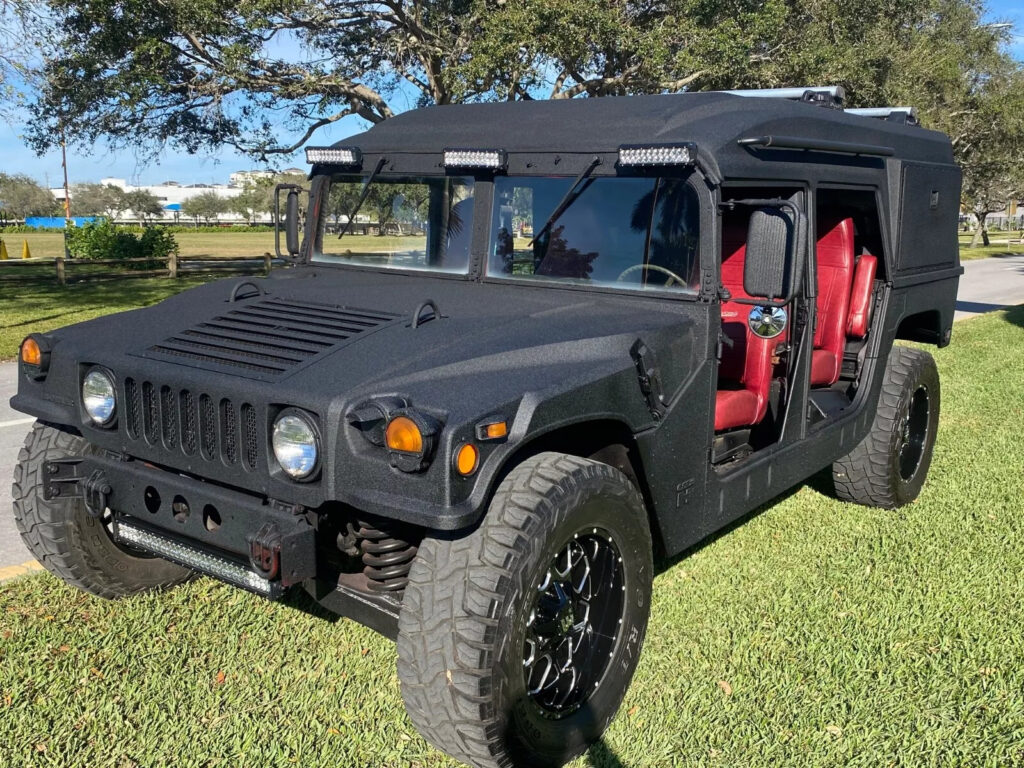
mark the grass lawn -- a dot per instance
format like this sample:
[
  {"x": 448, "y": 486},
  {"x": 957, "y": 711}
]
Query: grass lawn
[
  {"x": 816, "y": 634},
  {"x": 1000, "y": 245},
  {"x": 193, "y": 244},
  {"x": 27, "y": 308}
]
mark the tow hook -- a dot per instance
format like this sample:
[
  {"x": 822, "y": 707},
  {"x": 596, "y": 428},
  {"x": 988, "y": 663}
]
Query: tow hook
[
  {"x": 63, "y": 481},
  {"x": 265, "y": 551}
]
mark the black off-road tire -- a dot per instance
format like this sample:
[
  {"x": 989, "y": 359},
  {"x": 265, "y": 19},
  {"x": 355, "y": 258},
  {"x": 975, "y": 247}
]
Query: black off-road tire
[
  {"x": 872, "y": 473},
  {"x": 466, "y": 609},
  {"x": 65, "y": 539}
]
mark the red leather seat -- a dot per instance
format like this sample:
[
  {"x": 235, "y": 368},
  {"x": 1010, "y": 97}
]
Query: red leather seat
[
  {"x": 860, "y": 297},
  {"x": 835, "y": 281},
  {"x": 745, "y": 373}
]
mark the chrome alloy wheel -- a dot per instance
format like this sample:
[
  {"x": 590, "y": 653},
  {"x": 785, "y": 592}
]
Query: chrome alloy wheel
[{"x": 575, "y": 622}]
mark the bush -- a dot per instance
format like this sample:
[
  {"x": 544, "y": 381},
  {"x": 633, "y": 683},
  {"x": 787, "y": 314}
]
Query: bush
[
  {"x": 103, "y": 240},
  {"x": 21, "y": 229}
]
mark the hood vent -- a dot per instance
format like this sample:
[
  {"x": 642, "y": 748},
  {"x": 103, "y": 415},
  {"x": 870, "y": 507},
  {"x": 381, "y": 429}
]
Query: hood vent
[{"x": 269, "y": 338}]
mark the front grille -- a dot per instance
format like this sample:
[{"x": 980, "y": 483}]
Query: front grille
[
  {"x": 181, "y": 422},
  {"x": 269, "y": 338}
]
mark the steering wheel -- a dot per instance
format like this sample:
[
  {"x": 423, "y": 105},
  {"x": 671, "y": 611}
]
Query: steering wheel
[{"x": 672, "y": 276}]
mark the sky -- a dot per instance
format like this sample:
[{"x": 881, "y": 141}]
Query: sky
[{"x": 98, "y": 162}]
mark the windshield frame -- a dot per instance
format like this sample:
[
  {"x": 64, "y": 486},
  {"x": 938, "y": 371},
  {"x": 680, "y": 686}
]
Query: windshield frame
[{"x": 417, "y": 164}]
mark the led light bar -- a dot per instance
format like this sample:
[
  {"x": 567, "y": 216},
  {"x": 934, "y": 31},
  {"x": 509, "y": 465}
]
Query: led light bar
[
  {"x": 658, "y": 154},
  {"x": 333, "y": 155},
  {"x": 475, "y": 158},
  {"x": 192, "y": 557}
]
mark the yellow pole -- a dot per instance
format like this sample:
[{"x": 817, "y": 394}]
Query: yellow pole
[
  {"x": 25, "y": 252},
  {"x": 3, "y": 250}
]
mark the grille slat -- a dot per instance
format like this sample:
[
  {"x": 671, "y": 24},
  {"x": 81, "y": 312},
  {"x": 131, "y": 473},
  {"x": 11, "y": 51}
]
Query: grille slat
[
  {"x": 228, "y": 432},
  {"x": 269, "y": 338},
  {"x": 168, "y": 419},
  {"x": 188, "y": 422},
  {"x": 133, "y": 408},
  {"x": 250, "y": 439},
  {"x": 150, "y": 414},
  {"x": 207, "y": 427}
]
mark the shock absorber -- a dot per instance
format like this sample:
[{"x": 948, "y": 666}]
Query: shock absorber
[{"x": 386, "y": 558}]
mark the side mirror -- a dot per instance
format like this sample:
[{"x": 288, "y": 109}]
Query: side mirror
[
  {"x": 291, "y": 219},
  {"x": 775, "y": 254}
]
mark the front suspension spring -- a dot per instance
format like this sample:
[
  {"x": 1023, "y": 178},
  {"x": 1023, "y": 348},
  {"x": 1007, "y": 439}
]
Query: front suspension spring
[{"x": 386, "y": 559}]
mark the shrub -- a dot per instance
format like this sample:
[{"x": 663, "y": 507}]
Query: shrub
[{"x": 103, "y": 240}]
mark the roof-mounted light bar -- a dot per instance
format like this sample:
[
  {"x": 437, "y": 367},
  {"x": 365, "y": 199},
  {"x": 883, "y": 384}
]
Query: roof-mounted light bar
[
  {"x": 640, "y": 155},
  {"x": 333, "y": 156},
  {"x": 495, "y": 159}
]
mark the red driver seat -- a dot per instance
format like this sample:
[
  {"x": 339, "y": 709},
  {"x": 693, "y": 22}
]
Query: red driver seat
[{"x": 745, "y": 373}]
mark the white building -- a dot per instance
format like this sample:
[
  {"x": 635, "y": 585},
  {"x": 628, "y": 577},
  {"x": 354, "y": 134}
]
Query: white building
[{"x": 172, "y": 194}]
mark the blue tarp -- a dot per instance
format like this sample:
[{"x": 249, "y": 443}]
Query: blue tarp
[
  {"x": 56, "y": 222},
  {"x": 173, "y": 207}
]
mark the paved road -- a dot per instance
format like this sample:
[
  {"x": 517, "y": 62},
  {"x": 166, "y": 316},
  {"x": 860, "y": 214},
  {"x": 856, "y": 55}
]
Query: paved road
[{"x": 987, "y": 285}]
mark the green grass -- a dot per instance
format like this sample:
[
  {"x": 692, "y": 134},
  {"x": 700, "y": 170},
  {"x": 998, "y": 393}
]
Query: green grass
[
  {"x": 28, "y": 308},
  {"x": 815, "y": 634},
  {"x": 193, "y": 244},
  {"x": 1001, "y": 245}
]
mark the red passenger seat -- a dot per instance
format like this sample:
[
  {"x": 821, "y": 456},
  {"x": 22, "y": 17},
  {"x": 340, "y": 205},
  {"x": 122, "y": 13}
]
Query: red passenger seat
[
  {"x": 745, "y": 373},
  {"x": 860, "y": 297},
  {"x": 835, "y": 281}
]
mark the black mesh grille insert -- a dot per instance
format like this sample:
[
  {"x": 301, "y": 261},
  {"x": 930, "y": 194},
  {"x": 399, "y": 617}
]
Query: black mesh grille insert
[
  {"x": 168, "y": 419},
  {"x": 150, "y": 415},
  {"x": 269, "y": 338},
  {"x": 188, "y": 422},
  {"x": 228, "y": 431},
  {"x": 133, "y": 408},
  {"x": 250, "y": 441},
  {"x": 207, "y": 427},
  {"x": 182, "y": 422}
]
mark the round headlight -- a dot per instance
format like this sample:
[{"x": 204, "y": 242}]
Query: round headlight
[
  {"x": 98, "y": 397},
  {"x": 295, "y": 445}
]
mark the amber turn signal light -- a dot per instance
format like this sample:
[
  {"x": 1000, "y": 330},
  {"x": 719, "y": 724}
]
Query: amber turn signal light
[
  {"x": 467, "y": 459},
  {"x": 496, "y": 431},
  {"x": 31, "y": 354},
  {"x": 403, "y": 435}
]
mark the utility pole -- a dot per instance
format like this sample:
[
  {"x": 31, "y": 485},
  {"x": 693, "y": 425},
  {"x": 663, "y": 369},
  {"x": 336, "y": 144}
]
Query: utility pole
[{"x": 67, "y": 193}]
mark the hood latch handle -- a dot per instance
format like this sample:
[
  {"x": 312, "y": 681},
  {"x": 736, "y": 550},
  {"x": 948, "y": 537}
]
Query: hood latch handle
[{"x": 434, "y": 315}]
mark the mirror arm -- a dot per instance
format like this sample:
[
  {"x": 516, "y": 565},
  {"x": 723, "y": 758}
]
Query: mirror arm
[{"x": 277, "y": 215}]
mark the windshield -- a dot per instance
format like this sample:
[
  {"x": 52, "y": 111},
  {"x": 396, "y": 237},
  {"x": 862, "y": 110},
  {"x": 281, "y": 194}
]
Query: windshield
[
  {"x": 623, "y": 233},
  {"x": 419, "y": 223}
]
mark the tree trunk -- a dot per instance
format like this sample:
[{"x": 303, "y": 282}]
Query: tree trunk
[{"x": 980, "y": 232}]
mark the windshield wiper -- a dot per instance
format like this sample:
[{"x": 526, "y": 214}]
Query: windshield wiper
[
  {"x": 571, "y": 196},
  {"x": 362, "y": 197}
]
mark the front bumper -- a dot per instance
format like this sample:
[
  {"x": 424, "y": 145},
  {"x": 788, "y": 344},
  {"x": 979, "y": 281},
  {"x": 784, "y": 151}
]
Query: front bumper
[{"x": 230, "y": 535}]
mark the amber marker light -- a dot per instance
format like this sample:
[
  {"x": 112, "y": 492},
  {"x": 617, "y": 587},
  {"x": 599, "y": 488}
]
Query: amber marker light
[
  {"x": 497, "y": 431},
  {"x": 403, "y": 435},
  {"x": 31, "y": 354},
  {"x": 467, "y": 459}
]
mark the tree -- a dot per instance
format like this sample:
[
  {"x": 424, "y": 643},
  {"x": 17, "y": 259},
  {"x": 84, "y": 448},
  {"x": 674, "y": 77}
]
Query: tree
[
  {"x": 143, "y": 204},
  {"x": 21, "y": 196},
  {"x": 205, "y": 206},
  {"x": 90, "y": 199},
  {"x": 250, "y": 203}
]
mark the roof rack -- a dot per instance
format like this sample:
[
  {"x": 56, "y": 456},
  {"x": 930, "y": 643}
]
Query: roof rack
[
  {"x": 901, "y": 115},
  {"x": 826, "y": 96}
]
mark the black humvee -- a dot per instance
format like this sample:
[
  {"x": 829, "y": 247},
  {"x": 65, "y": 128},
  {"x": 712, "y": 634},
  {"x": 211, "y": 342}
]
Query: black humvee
[{"x": 589, "y": 334}]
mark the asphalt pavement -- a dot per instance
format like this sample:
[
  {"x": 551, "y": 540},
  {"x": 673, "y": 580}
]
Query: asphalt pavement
[{"x": 987, "y": 285}]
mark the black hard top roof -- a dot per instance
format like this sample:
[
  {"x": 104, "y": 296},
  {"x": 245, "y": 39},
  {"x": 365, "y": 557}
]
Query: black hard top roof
[{"x": 715, "y": 121}]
